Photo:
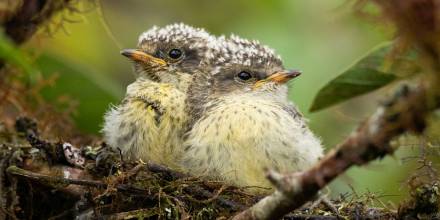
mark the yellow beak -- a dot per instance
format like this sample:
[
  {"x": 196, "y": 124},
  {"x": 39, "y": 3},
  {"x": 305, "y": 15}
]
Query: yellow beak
[
  {"x": 278, "y": 77},
  {"x": 140, "y": 56}
]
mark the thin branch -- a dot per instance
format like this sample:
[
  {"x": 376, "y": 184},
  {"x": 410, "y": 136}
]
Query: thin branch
[
  {"x": 43, "y": 178},
  {"x": 168, "y": 173}
]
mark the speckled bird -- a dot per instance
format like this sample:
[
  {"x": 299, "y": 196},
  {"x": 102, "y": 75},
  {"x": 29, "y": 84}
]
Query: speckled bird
[
  {"x": 242, "y": 120},
  {"x": 150, "y": 121}
]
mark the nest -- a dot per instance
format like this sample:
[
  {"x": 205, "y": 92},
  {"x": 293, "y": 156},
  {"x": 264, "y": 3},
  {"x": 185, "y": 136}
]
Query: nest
[{"x": 41, "y": 179}]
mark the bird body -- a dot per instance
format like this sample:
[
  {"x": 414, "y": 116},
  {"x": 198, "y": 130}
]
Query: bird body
[
  {"x": 241, "y": 135},
  {"x": 247, "y": 123},
  {"x": 149, "y": 123}
]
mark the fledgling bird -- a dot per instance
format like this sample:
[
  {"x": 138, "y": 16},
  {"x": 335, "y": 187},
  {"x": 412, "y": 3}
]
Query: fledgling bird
[
  {"x": 242, "y": 121},
  {"x": 151, "y": 119}
]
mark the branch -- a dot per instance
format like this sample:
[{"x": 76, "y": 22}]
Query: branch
[
  {"x": 405, "y": 111},
  {"x": 55, "y": 180}
]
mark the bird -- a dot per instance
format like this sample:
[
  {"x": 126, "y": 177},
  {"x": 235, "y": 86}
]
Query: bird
[
  {"x": 241, "y": 119},
  {"x": 150, "y": 121}
]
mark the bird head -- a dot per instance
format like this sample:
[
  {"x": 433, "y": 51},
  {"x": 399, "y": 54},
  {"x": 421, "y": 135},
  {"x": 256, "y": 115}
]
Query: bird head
[
  {"x": 169, "y": 53},
  {"x": 239, "y": 68},
  {"x": 242, "y": 66}
]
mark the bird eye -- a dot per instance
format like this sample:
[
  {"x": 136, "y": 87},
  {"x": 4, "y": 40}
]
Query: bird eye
[
  {"x": 243, "y": 75},
  {"x": 175, "y": 54}
]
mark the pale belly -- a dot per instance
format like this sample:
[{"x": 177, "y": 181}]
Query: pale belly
[{"x": 236, "y": 142}]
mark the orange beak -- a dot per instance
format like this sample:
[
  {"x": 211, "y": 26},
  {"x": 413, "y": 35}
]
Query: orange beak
[
  {"x": 140, "y": 56},
  {"x": 279, "y": 77}
]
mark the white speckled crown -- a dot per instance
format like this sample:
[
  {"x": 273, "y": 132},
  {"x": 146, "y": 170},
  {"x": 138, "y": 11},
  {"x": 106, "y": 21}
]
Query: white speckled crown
[
  {"x": 235, "y": 50},
  {"x": 178, "y": 32}
]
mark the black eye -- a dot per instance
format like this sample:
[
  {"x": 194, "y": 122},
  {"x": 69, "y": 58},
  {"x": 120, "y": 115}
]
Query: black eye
[
  {"x": 175, "y": 54},
  {"x": 243, "y": 75}
]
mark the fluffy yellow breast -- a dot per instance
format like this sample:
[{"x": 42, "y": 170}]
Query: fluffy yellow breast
[
  {"x": 148, "y": 124},
  {"x": 241, "y": 136}
]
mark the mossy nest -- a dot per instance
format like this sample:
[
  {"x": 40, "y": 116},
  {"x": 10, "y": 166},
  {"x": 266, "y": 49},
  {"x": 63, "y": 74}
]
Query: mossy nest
[{"x": 41, "y": 179}]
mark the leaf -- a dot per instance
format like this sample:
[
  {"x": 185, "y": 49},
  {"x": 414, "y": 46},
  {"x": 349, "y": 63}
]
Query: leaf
[
  {"x": 351, "y": 83},
  {"x": 375, "y": 70},
  {"x": 93, "y": 90}
]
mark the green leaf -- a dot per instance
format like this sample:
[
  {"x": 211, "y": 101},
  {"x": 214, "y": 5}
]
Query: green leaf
[
  {"x": 94, "y": 91},
  {"x": 371, "y": 72},
  {"x": 351, "y": 83}
]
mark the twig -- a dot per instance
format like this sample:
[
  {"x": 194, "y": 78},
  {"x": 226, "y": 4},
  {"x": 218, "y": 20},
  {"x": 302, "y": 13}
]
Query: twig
[
  {"x": 14, "y": 170},
  {"x": 199, "y": 191},
  {"x": 170, "y": 174},
  {"x": 134, "y": 214}
]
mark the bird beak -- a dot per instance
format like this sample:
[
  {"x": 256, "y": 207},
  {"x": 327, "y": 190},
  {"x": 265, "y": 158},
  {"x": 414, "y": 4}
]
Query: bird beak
[
  {"x": 279, "y": 77},
  {"x": 140, "y": 56}
]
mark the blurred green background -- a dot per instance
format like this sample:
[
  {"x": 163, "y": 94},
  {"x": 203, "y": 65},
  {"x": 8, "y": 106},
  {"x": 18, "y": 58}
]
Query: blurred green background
[{"x": 321, "y": 38}]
